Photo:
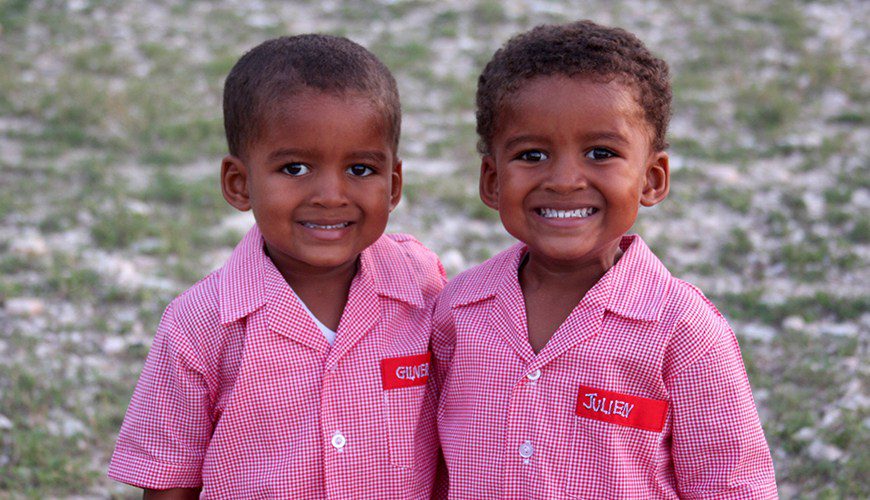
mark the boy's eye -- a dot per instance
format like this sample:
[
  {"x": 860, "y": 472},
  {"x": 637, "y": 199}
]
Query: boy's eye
[
  {"x": 533, "y": 155},
  {"x": 295, "y": 169},
  {"x": 360, "y": 170},
  {"x": 600, "y": 154}
]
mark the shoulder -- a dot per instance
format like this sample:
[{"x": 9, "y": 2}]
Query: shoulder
[
  {"x": 192, "y": 324},
  {"x": 697, "y": 325},
  {"x": 481, "y": 282},
  {"x": 424, "y": 266},
  {"x": 199, "y": 305}
]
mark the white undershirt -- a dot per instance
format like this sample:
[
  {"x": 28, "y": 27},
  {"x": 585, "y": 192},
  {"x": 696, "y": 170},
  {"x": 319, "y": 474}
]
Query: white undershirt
[{"x": 328, "y": 333}]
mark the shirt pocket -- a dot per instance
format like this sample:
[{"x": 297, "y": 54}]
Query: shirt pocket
[
  {"x": 402, "y": 410},
  {"x": 609, "y": 460}
]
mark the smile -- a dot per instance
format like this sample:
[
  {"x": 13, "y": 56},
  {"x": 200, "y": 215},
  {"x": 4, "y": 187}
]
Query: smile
[
  {"x": 577, "y": 213},
  {"x": 311, "y": 225}
]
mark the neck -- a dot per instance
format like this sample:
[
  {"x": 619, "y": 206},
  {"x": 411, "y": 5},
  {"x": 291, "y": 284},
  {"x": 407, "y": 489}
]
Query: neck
[
  {"x": 304, "y": 278},
  {"x": 575, "y": 278}
]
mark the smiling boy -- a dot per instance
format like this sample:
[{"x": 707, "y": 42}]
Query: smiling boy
[
  {"x": 285, "y": 374},
  {"x": 573, "y": 364}
]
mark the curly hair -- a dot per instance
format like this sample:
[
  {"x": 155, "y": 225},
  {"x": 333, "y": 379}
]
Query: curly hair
[
  {"x": 580, "y": 48},
  {"x": 282, "y": 67}
]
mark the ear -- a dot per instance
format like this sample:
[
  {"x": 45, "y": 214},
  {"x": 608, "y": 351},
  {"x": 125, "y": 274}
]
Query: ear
[
  {"x": 489, "y": 182},
  {"x": 234, "y": 182},
  {"x": 658, "y": 180},
  {"x": 396, "y": 185}
]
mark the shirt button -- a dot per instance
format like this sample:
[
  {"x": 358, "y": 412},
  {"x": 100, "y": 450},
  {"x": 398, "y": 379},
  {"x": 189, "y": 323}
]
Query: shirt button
[
  {"x": 535, "y": 375},
  {"x": 338, "y": 441},
  {"x": 527, "y": 450}
]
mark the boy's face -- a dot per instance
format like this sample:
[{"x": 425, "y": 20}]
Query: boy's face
[
  {"x": 321, "y": 180},
  {"x": 570, "y": 163}
]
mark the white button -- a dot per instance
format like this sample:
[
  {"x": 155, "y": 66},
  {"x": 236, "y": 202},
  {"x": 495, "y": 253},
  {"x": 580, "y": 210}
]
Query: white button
[
  {"x": 527, "y": 450},
  {"x": 338, "y": 441},
  {"x": 535, "y": 375}
]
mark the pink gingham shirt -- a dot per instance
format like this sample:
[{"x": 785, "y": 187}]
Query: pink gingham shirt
[
  {"x": 640, "y": 393},
  {"x": 241, "y": 393}
]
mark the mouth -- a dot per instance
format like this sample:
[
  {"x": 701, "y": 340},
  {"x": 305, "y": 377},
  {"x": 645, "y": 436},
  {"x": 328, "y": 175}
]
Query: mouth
[
  {"x": 577, "y": 213},
  {"x": 314, "y": 225}
]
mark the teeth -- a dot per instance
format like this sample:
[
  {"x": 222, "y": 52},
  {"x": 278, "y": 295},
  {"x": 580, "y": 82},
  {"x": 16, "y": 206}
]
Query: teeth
[
  {"x": 551, "y": 213},
  {"x": 312, "y": 225}
]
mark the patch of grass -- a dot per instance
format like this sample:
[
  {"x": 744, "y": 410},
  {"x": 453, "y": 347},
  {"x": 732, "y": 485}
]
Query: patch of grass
[
  {"x": 851, "y": 118},
  {"x": 39, "y": 462},
  {"x": 750, "y": 306},
  {"x": 119, "y": 227},
  {"x": 807, "y": 260},
  {"x": 767, "y": 109},
  {"x": 488, "y": 12},
  {"x": 99, "y": 59},
  {"x": 445, "y": 25},
  {"x": 68, "y": 281},
  {"x": 738, "y": 200},
  {"x": 860, "y": 232},
  {"x": 733, "y": 254}
]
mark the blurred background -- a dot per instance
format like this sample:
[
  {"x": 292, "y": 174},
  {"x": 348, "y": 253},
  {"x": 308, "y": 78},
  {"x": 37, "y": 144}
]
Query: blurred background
[{"x": 110, "y": 144}]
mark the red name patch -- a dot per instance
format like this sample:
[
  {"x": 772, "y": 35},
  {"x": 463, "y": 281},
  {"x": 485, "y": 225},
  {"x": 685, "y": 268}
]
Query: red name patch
[
  {"x": 622, "y": 409},
  {"x": 406, "y": 371}
]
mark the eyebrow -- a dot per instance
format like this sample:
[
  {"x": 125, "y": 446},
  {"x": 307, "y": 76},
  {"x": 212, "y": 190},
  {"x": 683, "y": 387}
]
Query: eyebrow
[
  {"x": 606, "y": 136},
  {"x": 373, "y": 156},
  {"x": 594, "y": 136},
  {"x": 523, "y": 138}
]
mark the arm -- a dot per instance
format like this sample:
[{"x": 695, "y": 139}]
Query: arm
[
  {"x": 169, "y": 422},
  {"x": 718, "y": 448},
  {"x": 173, "y": 494}
]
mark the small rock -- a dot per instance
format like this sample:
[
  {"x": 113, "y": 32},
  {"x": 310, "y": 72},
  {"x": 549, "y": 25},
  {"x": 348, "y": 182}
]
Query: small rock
[
  {"x": 25, "y": 306},
  {"x": 114, "y": 345},
  {"x": 758, "y": 331},
  {"x": 805, "y": 434},
  {"x": 823, "y": 451},
  {"x": 841, "y": 330},
  {"x": 5, "y": 423},
  {"x": 453, "y": 261},
  {"x": 794, "y": 323},
  {"x": 30, "y": 244}
]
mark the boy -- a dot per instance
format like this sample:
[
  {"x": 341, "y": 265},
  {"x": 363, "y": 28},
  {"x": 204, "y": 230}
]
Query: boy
[
  {"x": 573, "y": 364},
  {"x": 300, "y": 368}
]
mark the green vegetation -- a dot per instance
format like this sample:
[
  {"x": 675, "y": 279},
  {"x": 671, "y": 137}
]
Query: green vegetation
[{"x": 111, "y": 137}]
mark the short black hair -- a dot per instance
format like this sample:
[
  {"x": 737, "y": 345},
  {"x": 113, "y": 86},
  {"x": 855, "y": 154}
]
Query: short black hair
[
  {"x": 282, "y": 67},
  {"x": 581, "y": 48}
]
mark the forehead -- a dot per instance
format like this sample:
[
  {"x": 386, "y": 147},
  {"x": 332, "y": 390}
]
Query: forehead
[
  {"x": 325, "y": 122},
  {"x": 309, "y": 107},
  {"x": 586, "y": 102}
]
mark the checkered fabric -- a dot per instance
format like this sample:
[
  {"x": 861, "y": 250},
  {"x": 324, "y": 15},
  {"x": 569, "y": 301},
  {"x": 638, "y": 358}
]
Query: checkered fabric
[
  {"x": 242, "y": 395},
  {"x": 640, "y": 393}
]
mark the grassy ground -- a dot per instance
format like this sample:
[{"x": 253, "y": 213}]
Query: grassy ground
[{"x": 111, "y": 137}]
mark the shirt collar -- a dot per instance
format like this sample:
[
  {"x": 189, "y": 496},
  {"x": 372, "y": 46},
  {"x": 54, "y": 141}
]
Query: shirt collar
[
  {"x": 387, "y": 263},
  {"x": 640, "y": 282},
  {"x": 636, "y": 285},
  {"x": 242, "y": 279},
  {"x": 241, "y": 288},
  {"x": 483, "y": 282}
]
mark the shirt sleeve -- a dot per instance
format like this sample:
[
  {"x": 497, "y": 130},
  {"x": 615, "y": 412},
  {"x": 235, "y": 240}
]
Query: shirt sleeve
[
  {"x": 718, "y": 446},
  {"x": 168, "y": 424}
]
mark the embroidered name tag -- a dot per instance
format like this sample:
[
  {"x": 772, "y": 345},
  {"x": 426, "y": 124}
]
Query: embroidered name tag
[
  {"x": 405, "y": 371},
  {"x": 622, "y": 409}
]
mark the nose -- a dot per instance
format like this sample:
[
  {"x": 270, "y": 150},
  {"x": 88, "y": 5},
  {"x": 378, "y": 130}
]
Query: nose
[
  {"x": 566, "y": 174},
  {"x": 330, "y": 188}
]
